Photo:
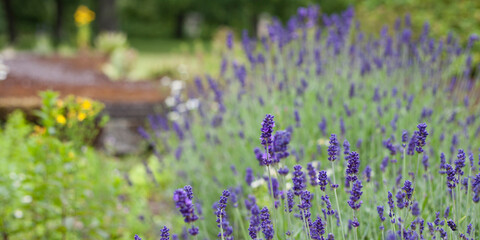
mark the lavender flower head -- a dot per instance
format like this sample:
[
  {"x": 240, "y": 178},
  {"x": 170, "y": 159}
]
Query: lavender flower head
[
  {"x": 380, "y": 210},
  {"x": 318, "y": 229},
  {"x": 421, "y": 137},
  {"x": 415, "y": 209},
  {"x": 333, "y": 148},
  {"x": 249, "y": 176},
  {"x": 346, "y": 149},
  {"x": 312, "y": 174},
  {"x": 298, "y": 180},
  {"x": 407, "y": 187},
  {"x": 283, "y": 171},
  {"x": 266, "y": 136},
  {"x": 290, "y": 203},
  {"x": 185, "y": 205},
  {"x": 452, "y": 225},
  {"x": 460, "y": 162},
  {"x": 355, "y": 195},
  {"x": 352, "y": 167},
  {"x": 322, "y": 180},
  {"x": 222, "y": 221},
  {"x": 254, "y": 222},
  {"x": 451, "y": 179},
  {"x": 165, "y": 235},
  {"x": 230, "y": 40},
  {"x": 189, "y": 190},
  {"x": 404, "y": 137},
  {"x": 267, "y": 226},
  {"x": 281, "y": 139}
]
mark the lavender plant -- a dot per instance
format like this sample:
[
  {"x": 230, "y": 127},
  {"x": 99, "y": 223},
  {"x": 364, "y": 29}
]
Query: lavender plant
[{"x": 398, "y": 97}]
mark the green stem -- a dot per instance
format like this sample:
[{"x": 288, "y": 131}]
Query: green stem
[
  {"x": 338, "y": 206},
  {"x": 307, "y": 228},
  {"x": 239, "y": 218},
  {"x": 270, "y": 183},
  {"x": 221, "y": 226}
]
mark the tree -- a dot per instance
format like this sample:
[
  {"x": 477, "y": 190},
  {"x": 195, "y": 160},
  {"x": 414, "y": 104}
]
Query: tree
[{"x": 12, "y": 34}]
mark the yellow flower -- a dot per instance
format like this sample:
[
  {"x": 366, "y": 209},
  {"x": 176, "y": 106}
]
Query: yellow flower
[
  {"x": 71, "y": 154},
  {"x": 61, "y": 119},
  {"x": 86, "y": 105},
  {"x": 83, "y": 15},
  {"x": 81, "y": 116}
]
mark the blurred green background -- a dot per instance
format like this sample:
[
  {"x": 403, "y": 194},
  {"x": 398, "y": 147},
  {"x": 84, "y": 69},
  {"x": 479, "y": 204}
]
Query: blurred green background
[
  {"x": 184, "y": 38},
  {"x": 166, "y": 19},
  {"x": 173, "y": 37}
]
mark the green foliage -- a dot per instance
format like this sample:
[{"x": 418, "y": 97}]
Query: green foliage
[
  {"x": 74, "y": 119},
  {"x": 108, "y": 42},
  {"x": 461, "y": 18},
  {"x": 50, "y": 189}
]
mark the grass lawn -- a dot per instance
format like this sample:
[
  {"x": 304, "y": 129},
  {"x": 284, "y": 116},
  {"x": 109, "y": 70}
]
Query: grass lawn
[{"x": 175, "y": 58}]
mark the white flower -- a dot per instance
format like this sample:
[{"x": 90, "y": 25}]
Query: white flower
[
  {"x": 258, "y": 183},
  {"x": 176, "y": 86},
  {"x": 170, "y": 101},
  {"x": 192, "y": 104},
  {"x": 18, "y": 214},
  {"x": 173, "y": 116}
]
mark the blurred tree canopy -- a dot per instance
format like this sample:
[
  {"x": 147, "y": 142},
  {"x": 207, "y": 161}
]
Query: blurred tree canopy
[
  {"x": 165, "y": 18},
  {"x": 146, "y": 18}
]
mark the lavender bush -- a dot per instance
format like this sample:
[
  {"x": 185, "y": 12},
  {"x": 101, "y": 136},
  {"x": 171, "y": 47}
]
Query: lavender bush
[{"x": 407, "y": 104}]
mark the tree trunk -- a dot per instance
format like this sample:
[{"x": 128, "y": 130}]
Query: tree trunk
[
  {"x": 12, "y": 35},
  {"x": 179, "y": 25},
  {"x": 57, "y": 29},
  {"x": 107, "y": 15}
]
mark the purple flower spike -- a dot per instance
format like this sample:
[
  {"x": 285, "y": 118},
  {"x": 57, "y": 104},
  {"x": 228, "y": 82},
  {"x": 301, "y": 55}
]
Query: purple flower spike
[
  {"x": 189, "y": 190},
  {"x": 267, "y": 128},
  {"x": 355, "y": 195},
  {"x": 267, "y": 227},
  {"x": 165, "y": 235},
  {"x": 380, "y": 210},
  {"x": 318, "y": 229},
  {"x": 281, "y": 139},
  {"x": 346, "y": 149},
  {"x": 283, "y": 171},
  {"x": 333, "y": 148},
  {"x": 352, "y": 167},
  {"x": 249, "y": 176},
  {"x": 476, "y": 188},
  {"x": 298, "y": 180},
  {"x": 407, "y": 187},
  {"x": 312, "y": 174},
  {"x": 185, "y": 205},
  {"x": 451, "y": 179},
  {"x": 421, "y": 137},
  {"x": 415, "y": 209},
  {"x": 230, "y": 40},
  {"x": 322, "y": 180},
  {"x": 254, "y": 222},
  {"x": 137, "y": 237},
  {"x": 290, "y": 202},
  {"x": 460, "y": 162},
  {"x": 222, "y": 214},
  {"x": 452, "y": 225}
]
